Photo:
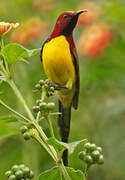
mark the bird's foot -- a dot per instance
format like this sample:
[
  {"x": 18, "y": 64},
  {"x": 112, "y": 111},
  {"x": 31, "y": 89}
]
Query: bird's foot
[{"x": 56, "y": 86}]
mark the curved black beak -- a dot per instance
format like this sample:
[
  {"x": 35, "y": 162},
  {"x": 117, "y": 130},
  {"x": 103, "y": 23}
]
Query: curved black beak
[{"x": 80, "y": 12}]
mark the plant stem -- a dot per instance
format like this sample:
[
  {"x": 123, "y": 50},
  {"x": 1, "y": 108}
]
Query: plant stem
[
  {"x": 3, "y": 69},
  {"x": 43, "y": 93},
  {"x": 56, "y": 113},
  {"x": 43, "y": 135},
  {"x": 12, "y": 110},
  {"x": 49, "y": 148},
  {"x": 1, "y": 41},
  {"x": 61, "y": 174},
  {"x": 40, "y": 130},
  {"x": 19, "y": 95},
  {"x": 50, "y": 125},
  {"x": 2, "y": 73},
  {"x": 38, "y": 116},
  {"x": 44, "y": 145},
  {"x": 64, "y": 171},
  {"x": 7, "y": 68}
]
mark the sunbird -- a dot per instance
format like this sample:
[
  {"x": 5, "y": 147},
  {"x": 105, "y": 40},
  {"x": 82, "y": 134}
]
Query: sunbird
[{"x": 60, "y": 63}]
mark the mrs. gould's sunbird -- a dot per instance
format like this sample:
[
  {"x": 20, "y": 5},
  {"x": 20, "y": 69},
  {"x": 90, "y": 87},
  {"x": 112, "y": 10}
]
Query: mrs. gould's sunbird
[{"x": 60, "y": 62}]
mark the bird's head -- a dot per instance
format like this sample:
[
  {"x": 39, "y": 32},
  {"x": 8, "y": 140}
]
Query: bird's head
[{"x": 66, "y": 22}]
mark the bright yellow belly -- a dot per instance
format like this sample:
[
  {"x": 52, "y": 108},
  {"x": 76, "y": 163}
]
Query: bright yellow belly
[{"x": 57, "y": 62}]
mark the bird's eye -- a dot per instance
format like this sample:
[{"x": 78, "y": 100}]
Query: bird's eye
[{"x": 65, "y": 16}]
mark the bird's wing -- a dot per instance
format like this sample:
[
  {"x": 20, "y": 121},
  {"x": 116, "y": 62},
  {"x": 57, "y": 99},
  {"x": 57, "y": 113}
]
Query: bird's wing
[
  {"x": 42, "y": 51},
  {"x": 77, "y": 84}
]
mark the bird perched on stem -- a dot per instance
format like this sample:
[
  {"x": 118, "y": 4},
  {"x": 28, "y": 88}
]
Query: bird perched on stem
[{"x": 60, "y": 62}]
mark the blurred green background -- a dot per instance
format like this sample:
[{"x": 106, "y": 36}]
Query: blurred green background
[{"x": 101, "y": 113}]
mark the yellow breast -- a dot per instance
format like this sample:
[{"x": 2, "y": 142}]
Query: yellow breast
[{"x": 57, "y": 61}]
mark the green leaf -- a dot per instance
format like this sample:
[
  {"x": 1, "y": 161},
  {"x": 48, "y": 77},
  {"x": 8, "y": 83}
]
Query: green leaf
[
  {"x": 54, "y": 174},
  {"x": 8, "y": 118},
  {"x": 13, "y": 53},
  {"x": 25, "y": 61},
  {"x": 7, "y": 129},
  {"x": 61, "y": 146},
  {"x": 58, "y": 145},
  {"x": 72, "y": 146}
]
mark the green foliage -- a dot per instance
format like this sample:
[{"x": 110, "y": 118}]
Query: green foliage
[
  {"x": 7, "y": 129},
  {"x": 54, "y": 173},
  {"x": 61, "y": 146},
  {"x": 13, "y": 53},
  {"x": 8, "y": 118}
]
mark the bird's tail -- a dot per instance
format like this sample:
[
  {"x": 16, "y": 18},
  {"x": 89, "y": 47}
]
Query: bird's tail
[{"x": 64, "y": 125}]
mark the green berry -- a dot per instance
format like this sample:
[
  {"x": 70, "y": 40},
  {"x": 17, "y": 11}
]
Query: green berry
[
  {"x": 26, "y": 135},
  {"x": 88, "y": 159},
  {"x": 23, "y": 129},
  {"x": 15, "y": 168},
  {"x": 21, "y": 166},
  {"x": 50, "y": 106},
  {"x": 19, "y": 174},
  {"x": 49, "y": 94},
  {"x": 43, "y": 106},
  {"x": 87, "y": 145},
  {"x": 82, "y": 155},
  {"x": 8, "y": 173},
  {"x": 37, "y": 86},
  {"x": 26, "y": 172},
  {"x": 99, "y": 149},
  {"x": 101, "y": 159},
  {"x": 35, "y": 109},
  {"x": 38, "y": 102},
  {"x": 41, "y": 82},
  {"x": 31, "y": 175},
  {"x": 95, "y": 155},
  {"x": 46, "y": 86},
  {"x": 12, "y": 177},
  {"x": 52, "y": 89},
  {"x": 92, "y": 147}
]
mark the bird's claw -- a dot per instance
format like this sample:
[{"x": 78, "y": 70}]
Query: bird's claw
[{"x": 55, "y": 86}]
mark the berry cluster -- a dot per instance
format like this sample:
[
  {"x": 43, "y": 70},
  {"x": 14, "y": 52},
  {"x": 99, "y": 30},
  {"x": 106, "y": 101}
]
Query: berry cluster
[
  {"x": 48, "y": 87},
  {"x": 25, "y": 131},
  {"x": 19, "y": 172},
  {"x": 91, "y": 154},
  {"x": 43, "y": 106}
]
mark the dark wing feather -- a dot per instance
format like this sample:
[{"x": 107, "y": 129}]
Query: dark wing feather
[
  {"x": 42, "y": 51},
  {"x": 77, "y": 84}
]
